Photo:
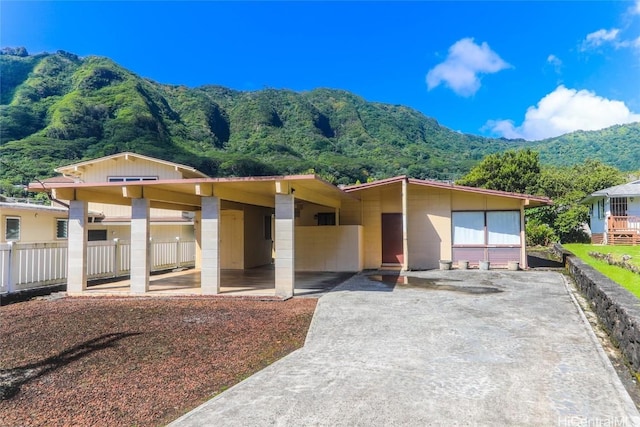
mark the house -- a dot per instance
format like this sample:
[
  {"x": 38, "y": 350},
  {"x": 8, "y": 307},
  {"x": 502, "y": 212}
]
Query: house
[
  {"x": 32, "y": 223},
  {"x": 296, "y": 222},
  {"x": 614, "y": 214}
]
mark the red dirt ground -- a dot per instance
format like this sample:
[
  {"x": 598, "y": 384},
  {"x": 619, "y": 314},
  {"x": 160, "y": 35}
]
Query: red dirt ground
[{"x": 143, "y": 362}]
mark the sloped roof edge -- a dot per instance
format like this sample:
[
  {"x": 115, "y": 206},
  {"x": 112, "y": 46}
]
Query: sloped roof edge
[
  {"x": 126, "y": 154},
  {"x": 449, "y": 186}
]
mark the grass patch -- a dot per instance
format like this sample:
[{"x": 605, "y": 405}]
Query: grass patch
[{"x": 624, "y": 278}]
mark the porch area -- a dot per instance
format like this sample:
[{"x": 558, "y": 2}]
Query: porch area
[
  {"x": 255, "y": 282},
  {"x": 623, "y": 230}
]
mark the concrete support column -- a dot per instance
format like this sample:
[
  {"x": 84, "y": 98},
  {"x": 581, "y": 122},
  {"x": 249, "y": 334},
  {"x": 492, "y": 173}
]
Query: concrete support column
[
  {"x": 197, "y": 231},
  {"x": 140, "y": 246},
  {"x": 405, "y": 225},
  {"x": 523, "y": 240},
  {"x": 284, "y": 243},
  {"x": 77, "y": 242},
  {"x": 210, "y": 246}
]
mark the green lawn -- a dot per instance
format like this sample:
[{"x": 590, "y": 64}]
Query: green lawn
[{"x": 625, "y": 278}]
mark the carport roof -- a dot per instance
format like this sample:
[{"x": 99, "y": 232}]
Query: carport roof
[
  {"x": 185, "y": 194},
  {"x": 530, "y": 201}
]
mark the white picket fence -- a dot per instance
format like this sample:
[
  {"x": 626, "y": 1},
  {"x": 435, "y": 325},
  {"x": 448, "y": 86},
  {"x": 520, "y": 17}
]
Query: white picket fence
[{"x": 33, "y": 265}]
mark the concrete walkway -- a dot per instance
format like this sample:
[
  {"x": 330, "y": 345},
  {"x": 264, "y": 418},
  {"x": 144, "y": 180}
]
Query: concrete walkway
[{"x": 470, "y": 348}]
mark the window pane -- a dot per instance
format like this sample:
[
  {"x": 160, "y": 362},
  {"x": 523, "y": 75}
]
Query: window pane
[
  {"x": 326, "y": 218},
  {"x": 503, "y": 228},
  {"x": 61, "y": 229},
  {"x": 12, "y": 230},
  {"x": 95, "y": 235},
  {"x": 468, "y": 228},
  {"x": 619, "y": 206}
]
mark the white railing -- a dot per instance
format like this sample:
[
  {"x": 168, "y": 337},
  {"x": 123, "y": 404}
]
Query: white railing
[{"x": 33, "y": 265}]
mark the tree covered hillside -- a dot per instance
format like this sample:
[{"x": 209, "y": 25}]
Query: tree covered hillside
[{"x": 59, "y": 108}]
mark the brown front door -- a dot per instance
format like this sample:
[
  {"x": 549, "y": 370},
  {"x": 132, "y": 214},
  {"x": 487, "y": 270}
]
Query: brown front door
[{"x": 392, "y": 238}]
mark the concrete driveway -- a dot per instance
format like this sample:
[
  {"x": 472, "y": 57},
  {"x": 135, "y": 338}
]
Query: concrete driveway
[{"x": 473, "y": 348}]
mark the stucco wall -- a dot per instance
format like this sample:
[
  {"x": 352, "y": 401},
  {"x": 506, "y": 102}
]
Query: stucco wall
[{"x": 328, "y": 248}]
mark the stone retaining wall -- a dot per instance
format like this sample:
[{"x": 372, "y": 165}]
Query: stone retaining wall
[{"x": 617, "y": 309}]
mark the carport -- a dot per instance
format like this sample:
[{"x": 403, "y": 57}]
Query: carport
[
  {"x": 240, "y": 224},
  {"x": 253, "y": 282}
]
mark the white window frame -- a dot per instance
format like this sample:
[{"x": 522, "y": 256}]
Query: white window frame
[
  {"x": 503, "y": 228},
  {"x": 468, "y": 228},
  {"x": 619, "y": 206},
  {"x": 66, "y": 228},
  {"x": 475, "y": 229},
  {"x": 601, "y": 209},
  {"x": 131, "y": 178},
  {"x": 6, "y": 228}
]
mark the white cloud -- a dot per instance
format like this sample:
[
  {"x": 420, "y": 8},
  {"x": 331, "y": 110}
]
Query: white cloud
[
  {"x": 600, "y": 37},
  {"x": 465, "y": 62},
  {"x": 563, "y": 111},
  {"x": 556, "y": 62},
  {"x": 635, "y": 9},
  {"x": 635, "y": 43}
]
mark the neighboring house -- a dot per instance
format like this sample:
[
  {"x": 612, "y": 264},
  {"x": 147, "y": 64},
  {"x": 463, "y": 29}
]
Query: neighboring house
[
  {"x": 299, "y": 222},
  {"x": 32, "y": 223},
  {"x": 615, "y": 214}
]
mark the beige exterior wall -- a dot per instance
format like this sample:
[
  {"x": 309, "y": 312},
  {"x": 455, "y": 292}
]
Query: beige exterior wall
[
  {"x": 427, "y": 216},
  {"x": 351, "y": 212},
  {"x": 461, "y": 201},
  {"x": 100, "y": 171},
  {"x": 160, "y": 233},
  {"x": 35, "y": 226},
  {"x": 428, "y": 226},
  {"x": 328, "y": 248},
  {"x": 119, "y": 211},
  {"x": 374, "y": 202},
  {"x": 306, "y": 213},
  {"x": 120, "y": 167},
  {"x": 257, "y": 249}
]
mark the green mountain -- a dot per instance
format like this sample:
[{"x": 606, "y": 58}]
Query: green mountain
[{"x": 59, "y": 108}]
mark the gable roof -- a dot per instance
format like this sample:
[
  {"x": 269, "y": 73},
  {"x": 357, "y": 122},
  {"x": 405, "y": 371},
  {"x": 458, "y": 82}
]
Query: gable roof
[
  {"x": 187, "y": 171},
  {"x": 630, "y": 189},
  {"x": 533, "y": 201}
]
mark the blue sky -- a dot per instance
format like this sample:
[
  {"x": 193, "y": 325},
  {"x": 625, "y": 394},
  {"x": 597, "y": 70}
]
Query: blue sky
[{"x": 512, "y": 69}]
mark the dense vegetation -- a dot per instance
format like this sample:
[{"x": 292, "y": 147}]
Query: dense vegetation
[
  {"x": 520, "y": 171},
  {"x": 58, "y": 108}
]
